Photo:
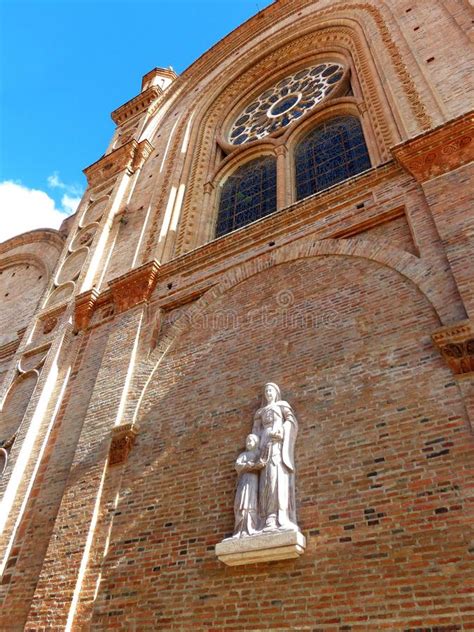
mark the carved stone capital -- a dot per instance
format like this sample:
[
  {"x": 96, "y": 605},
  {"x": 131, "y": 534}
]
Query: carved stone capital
[
  {"x": 84, "y": 306},
  {"x": 137, "y": 105},
  {"x": 123, "y": 438},
  {"x": 456, "y": 345},
  {"x": 281, "y": 150},
  {"x": 134, "y": 287},
  {"x": 438, "y": 151},
  {"x": 129, "y": 156}
]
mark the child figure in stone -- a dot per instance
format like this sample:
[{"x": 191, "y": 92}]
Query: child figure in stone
[{"x": 248, "y": 465}]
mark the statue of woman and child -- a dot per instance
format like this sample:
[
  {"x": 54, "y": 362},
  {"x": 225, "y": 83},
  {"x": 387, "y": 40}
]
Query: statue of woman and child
[{"x": 265, "y": 496}]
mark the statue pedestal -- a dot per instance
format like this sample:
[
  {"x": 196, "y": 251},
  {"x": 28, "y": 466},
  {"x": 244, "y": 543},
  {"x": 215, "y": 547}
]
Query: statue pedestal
[{"x": 264, "y": 547}]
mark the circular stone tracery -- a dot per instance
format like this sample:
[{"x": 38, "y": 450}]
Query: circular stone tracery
[{"x": 289, "y": 99}]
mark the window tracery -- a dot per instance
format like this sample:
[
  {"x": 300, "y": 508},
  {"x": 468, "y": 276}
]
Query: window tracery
[
  {"x": 319, "y": 150},
  {"x": 279, "y": 106},
  {"x": 248, "y": 194},
  {"x": 331, "y": 152}
]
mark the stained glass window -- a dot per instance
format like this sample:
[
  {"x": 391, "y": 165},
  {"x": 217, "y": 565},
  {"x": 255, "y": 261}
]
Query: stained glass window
[
  {"x": 330, "y": 153},
  {"x": 285, "y": 102},
  {"x": 248, "y": 194}
]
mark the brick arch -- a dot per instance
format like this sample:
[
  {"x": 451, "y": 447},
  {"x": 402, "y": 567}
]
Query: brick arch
[
  {"x": 339, "y": 29},
  {"x": 342, "y": 26},
  {"x": 24, "y": 258},
  {"x": 19, "y": 306},
  {"x": 15, "y": 403},
  {"x": 406, "y": 264}
]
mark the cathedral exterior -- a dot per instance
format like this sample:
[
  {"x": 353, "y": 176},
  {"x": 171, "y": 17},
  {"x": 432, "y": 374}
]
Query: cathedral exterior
[{"x": 295, "y": 209}]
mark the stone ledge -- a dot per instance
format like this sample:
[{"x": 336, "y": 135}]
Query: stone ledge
[{"x": 267, "y": 547}]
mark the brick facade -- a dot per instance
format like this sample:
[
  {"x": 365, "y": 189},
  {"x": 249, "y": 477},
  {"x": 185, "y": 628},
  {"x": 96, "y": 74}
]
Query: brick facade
[{"x": 129, "y": 376}]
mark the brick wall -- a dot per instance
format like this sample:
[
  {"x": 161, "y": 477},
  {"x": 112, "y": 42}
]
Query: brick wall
[
  {"x": 382, "y": 459},
  {"x": 384, "y": 446}
]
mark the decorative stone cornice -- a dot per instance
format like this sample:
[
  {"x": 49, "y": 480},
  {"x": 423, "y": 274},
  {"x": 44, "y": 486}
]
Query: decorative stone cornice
[
  {"x": 440, "y": 150},
  {"x": 84, "y": 308},
  {"x": 135, "y": 286},
  {"x": 456, "y": 345},
  {"x": 123, "y": 438},
  {"x": 137, "y": 105},
  {"x": 144, "y": 149},
  {"x": 130, "y": 157}
]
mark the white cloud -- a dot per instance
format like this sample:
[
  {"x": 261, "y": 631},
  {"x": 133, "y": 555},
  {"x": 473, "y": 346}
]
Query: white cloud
[
  {"x": 70, "y": 204},
  {"x": 55, "y": 182},
  {"x": 23, "y": 209}
]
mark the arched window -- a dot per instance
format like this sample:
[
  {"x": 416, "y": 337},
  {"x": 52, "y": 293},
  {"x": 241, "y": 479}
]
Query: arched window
[
  {"x": 247, "y": 195},
  {"x": 330, "y": 153}
]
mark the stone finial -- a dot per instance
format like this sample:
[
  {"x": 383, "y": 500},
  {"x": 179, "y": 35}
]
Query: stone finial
[{"x": 161, "y": 77}]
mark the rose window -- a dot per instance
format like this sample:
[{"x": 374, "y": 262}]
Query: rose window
[{"x": 286, "y": 102}]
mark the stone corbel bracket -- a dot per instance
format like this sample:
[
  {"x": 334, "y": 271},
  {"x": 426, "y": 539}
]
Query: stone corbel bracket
[
  {"x": 131, "y": 289},
  {"x": 129, "y": 157},
  {"x": 122, "y": 441},
  {"x": 134, "y": 287},
  {"x": 440, "y": 150},
  {"x": 456, "y": 345},
  {"x": 84, "y": 306}
]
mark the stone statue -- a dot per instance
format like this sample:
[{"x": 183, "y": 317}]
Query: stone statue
[
  {"x": 246, "y": 497},
  {"x": 265, "y": 496},
  {"x": 276, "y": 426},
  {"x": 265, "y": 515}
]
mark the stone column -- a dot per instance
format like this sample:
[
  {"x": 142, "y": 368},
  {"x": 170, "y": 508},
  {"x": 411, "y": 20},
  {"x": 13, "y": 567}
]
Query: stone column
[
  {"x": 439, "y": 160},
  {"x": 283, "y": 183}
]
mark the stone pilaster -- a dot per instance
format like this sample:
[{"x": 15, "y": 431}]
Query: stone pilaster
[
  {"x": 92, "y": 486},
  {"x": 441, "y": 161}
]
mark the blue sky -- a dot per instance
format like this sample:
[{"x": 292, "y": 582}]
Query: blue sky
[{"x": 64, "y": 66}]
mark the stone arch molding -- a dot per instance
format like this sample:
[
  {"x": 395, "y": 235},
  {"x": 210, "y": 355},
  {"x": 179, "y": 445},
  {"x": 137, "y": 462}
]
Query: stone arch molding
[
  {"x": 25, "y": 258},
  {"x": 406, "y": 264},
  {"x": 341, "y": 29},
  {"x": 360, "y": 28}
]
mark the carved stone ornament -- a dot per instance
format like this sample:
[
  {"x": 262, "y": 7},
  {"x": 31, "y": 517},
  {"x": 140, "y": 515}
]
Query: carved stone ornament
[
  {"x": 456, "y": 345},
  {"x": 123, "y": 438},
  {"x": 84, "y": 308},
  {"x": 440, "y": 150},
  {"x": 137, "y": 105},
  {"x": 135, "y": 286},
  {"x": 130, "y": 157},
  {"x": 5, "y": 447},
  {"x": 265, "y": 509}
]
